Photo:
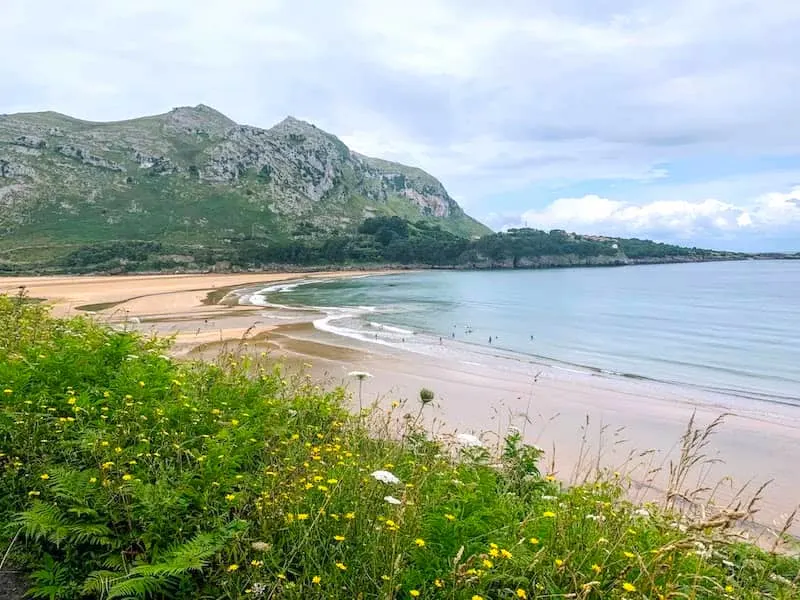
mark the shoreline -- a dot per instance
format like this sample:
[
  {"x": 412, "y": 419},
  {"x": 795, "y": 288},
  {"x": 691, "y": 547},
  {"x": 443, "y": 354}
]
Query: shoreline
[{"x": 583, "y": 418}]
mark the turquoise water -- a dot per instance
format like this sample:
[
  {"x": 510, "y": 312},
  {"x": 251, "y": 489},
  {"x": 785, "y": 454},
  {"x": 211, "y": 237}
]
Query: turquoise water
[{"x": 731, "y": 327}]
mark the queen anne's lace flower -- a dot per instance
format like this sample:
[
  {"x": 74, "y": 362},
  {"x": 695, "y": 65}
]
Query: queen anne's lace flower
[
  {"x": 466, "y": 439},
  {"x": 385, "y": 477}
]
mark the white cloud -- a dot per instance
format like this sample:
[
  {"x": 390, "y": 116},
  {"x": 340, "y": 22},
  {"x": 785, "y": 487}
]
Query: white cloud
[
  {"x": 774, "y": 214},
  {"x": 492, "y": 97}
]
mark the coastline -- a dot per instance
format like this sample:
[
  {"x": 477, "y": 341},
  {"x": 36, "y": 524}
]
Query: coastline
[{"x": 624, "y": 423}]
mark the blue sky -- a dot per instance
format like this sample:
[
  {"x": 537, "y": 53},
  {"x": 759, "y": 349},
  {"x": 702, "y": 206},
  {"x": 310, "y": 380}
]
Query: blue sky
[{"x": 671, "y": 119}]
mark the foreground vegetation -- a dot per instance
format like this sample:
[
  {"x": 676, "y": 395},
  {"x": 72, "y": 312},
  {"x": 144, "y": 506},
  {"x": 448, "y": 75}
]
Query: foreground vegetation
[
  {"x": 128, "y": 475},
  {"x": 377, "y": 241}
]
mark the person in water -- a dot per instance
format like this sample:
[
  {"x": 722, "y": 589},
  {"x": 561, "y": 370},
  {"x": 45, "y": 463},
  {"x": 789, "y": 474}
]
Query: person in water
[{"x": 490, "y": 339}]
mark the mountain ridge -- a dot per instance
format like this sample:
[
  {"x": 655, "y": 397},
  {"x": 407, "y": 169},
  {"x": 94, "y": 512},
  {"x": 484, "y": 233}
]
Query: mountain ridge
[{"x": 194, "y": 175}]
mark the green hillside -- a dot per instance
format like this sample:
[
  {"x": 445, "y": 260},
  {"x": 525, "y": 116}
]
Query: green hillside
[{"x": 193, "y": 176}]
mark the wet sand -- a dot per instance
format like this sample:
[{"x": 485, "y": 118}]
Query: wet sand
[{"x": 583, "y": 420}]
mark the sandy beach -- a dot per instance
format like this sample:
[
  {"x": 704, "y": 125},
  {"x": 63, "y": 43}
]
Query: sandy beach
[{"x": 579, "y": 418}]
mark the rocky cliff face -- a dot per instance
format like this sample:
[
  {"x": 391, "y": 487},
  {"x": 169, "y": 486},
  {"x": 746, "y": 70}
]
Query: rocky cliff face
[{"x": 196, "y": 174}]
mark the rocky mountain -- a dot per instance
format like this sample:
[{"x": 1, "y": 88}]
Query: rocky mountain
[{"x": 194, "y": 176}]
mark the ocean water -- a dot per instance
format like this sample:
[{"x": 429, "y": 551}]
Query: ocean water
[{"x": 731, "y": 327}]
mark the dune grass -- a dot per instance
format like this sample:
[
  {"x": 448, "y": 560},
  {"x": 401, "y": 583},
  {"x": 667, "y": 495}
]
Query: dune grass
[{"x": 125, "y": 474}]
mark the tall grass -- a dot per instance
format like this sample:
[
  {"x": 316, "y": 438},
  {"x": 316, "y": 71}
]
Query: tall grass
[{"x": 125, "y": 474}]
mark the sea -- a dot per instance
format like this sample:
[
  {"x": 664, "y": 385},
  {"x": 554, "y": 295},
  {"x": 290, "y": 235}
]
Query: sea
[{"x": 730, "y": 328}]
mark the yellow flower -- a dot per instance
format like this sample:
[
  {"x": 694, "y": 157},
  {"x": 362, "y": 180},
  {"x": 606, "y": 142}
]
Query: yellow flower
[
  {"x": 522, "y": 594},
  {"x": 494, "y": 552},
  {"x": 71, "y": 400},
  {"x": 419, "y": 542},
  {"x": 127, "y": 477},
  {"x": 487, "y": 563},
  {"x": 350, "y": 516},
  {"x": 548, "y": 514},
  {"x": 141, "y": 384},
  {"x": 477, "y": 597},
  {"x": 316, "y": 579},
  {"x": 414, "y": 593},
  {"x": 44, "y": 476},
  {"x": 559, "y": 562},
  {"x": 302, "y": 516},
  {"x": 505, "y": 553},
  {"x": 339, "y": 538},
  {"x": 729, "y": 588},
  {"x": 450, "y": 517},
  {"x": 92, "y": 479},
  {"x": 596, "y": 568},
  {"x": 341, "y": 566},
  {"x": 234, "y": 422},
  {"x": 230, "y": 497},
  {"x": 438, "y": 583},
  {"x": 629, "y": 554},
  {"x": 628, "y": 587},
  {"x": 8, "y": 391},
  {"x": 232, "y": 568},
  {"x": 534, "y": 541},
  {"x": 118, "y": 450}
]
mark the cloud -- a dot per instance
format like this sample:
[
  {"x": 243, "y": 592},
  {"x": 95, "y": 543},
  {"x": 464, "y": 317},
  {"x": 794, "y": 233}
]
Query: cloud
[
  {"x": 775, "y": 215},
  {"x": 493, "y": 98}
]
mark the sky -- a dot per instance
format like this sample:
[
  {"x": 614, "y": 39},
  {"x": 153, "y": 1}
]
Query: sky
[{"x": 675, "y": 120}]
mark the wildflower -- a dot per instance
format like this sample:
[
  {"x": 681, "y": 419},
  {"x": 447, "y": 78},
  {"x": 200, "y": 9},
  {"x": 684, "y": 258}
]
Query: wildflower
[
  {"x": 256, "y": 563},
  {"x": 71, "y": 400},
  {"x": 559, "y": 562},
  {"x": 360, "y": 375},
  {"x": 386, "y": 578},
  {"x": 522, "y": 594},
  {"x": 33, "y": 493},
  {"x": 505, "y": 553},
  {"x": 494, "y": 552},
  {"x": 729, "y": 589},
  {"x": 392, "y": 500},
  {"x": 118, "y": 450},
  {"x": 44, "y": 476},
  {"x": 419, "y": 542},
  {"x": 230, "y": 497},
  {"x": 548, "y": 514},
  {"x": 385, "y": 477},
  {"x": 628, "y": 587},
  {"x": 316, "y": 579},
  {"x": 339, "y": 538},
  {"x": 629, "y": 554},
  {"x": 596, "y": 568},
  {"x": 477, "y": 597},
  {"x": 232, "y": 568},
  {"x": 302, "y": 516},
  {"x": 414, "y": 593},
  {"x": 533, "y": 541},
  {"x": 450, "y": 517},
  {"x": 8, "y": 391},
  {"x": 92, "y": 479},
  {"x": 234, "y": 422},
  {"x": 341, "y": 566},
  {"x": 127, "y": 477},
  {"x": 466, "y": 439},
  {"x": 438, "y": 583},
  {"x": 487, "y": 563},
  {"x": 350, "y": 516}
]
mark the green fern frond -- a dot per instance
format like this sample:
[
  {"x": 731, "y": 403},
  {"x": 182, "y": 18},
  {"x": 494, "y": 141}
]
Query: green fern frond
[
  {"x": 91, "y": 533},
  {"x": 43, "y": 521},
  {"x": 135, "y": 587},
  {"x": 189, "y": 556},
  {"x": 100, "y": 582}
]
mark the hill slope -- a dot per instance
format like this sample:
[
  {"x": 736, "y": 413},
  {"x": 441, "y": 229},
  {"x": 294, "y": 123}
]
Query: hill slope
[{"x": 193, "y": 175}]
